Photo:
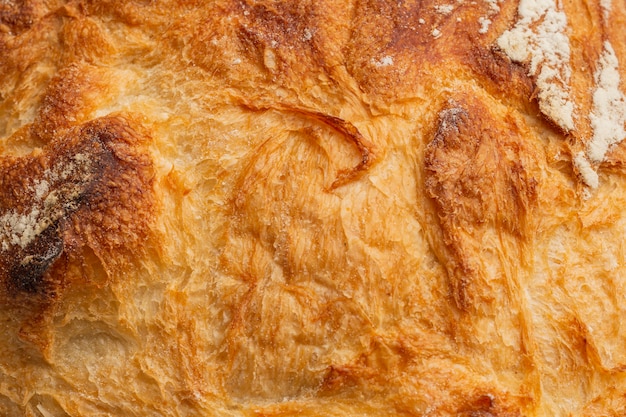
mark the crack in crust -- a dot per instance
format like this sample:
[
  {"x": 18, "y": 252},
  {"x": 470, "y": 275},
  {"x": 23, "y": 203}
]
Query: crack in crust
[{"x": 366, "y": 148}]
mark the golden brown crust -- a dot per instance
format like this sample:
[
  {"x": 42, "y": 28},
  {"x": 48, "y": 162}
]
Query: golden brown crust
[{"x": 322, "y": 208}]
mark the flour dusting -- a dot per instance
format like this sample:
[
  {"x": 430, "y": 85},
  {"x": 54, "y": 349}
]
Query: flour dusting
[
  {"x": 540, "y": 39},
  {"x": 52, "y": 197},
  {"x": 608, "y": 115}
]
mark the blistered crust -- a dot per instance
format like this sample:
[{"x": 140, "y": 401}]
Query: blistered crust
[{"x": 312, "y": 208}]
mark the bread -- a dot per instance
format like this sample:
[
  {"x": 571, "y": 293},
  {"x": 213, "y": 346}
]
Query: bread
[{"x": 312, "y": 208}]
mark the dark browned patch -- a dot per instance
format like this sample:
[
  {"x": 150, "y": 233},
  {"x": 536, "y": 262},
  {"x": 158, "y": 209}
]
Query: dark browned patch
[
  {"x": 395, "y": 45},
  {"x": 91, "y": 187},
  {"x": 293, "y": 30},
  {"x": 487, "y": 405},
  {"x": 502, "y": 76},
  {"x": 18, "y": 16},
  {"x": 615, "y": 160},
  {"x": 64, "y": 101},
  {"x": 282, "y": 22},
  {"x": 28, "y": 267},
  {"x": 478, "y": 172}
]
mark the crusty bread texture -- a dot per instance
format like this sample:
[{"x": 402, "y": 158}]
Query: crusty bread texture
[{"x": 312, "y": 208}]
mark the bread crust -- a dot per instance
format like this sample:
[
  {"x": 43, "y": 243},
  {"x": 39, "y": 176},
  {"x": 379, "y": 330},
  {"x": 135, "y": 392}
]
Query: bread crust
[{"x": 316, "y": 208}]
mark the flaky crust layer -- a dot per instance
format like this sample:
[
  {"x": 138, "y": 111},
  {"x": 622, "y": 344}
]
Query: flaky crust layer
[{"x": 316, "y": 208}]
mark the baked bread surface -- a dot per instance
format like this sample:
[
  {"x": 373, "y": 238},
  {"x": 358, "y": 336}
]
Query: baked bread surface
[{"x": 323, "y": 208}]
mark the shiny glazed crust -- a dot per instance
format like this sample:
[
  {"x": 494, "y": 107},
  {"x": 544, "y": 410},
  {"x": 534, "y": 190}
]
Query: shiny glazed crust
[{"x": 313, "y": 208}]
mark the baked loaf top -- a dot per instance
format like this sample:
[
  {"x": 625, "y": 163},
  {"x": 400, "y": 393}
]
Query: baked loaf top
[{"x": 320, "y": 208}]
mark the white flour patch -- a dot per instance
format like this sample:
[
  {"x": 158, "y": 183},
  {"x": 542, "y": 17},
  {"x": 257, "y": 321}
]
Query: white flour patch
[
  {"x": 540, "y": 39},
  {"x": 48, "y": 206},
  {"x": 606, "y": 8},
  {"x": 383, "y": 62},
  {"x": 444, "y": 9},
  {"x": 484, "y": 24},
  {"x": 494, "y": 6},
  {"x": 586, "y": 171},
  {"x": 608, "y": 115}
]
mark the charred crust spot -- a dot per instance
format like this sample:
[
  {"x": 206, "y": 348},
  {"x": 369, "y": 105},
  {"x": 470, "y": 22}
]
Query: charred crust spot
[
  {"x": 69, "y": 195},
  {"x": 29, "y": 267}
]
